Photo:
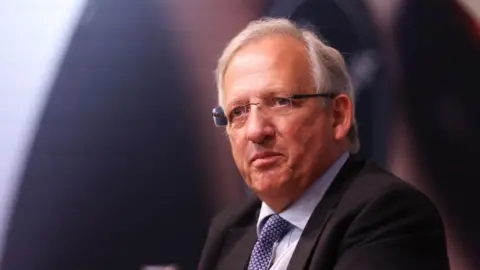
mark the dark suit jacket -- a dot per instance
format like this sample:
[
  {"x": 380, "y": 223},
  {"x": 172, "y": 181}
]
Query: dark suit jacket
[{"x": 368, "y": 219}]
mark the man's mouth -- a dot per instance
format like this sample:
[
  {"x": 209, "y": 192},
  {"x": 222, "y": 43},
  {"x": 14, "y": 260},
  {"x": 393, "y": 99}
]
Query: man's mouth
[{"x": 265, "y": 159}]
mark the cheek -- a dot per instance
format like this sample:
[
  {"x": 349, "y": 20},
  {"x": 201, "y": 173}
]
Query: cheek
[
  {"x": 305, "y": 139},
  {"x": 298, "y": 140}
]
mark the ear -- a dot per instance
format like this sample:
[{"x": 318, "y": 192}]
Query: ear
[{"x": 342, "y": 116}]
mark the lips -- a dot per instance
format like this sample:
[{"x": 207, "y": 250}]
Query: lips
[{"x": 264, "y": 159}]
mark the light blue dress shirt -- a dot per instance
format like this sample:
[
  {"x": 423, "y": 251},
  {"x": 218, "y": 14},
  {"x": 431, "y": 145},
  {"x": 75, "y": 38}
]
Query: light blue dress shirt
[{"x": 298, "y": 215}]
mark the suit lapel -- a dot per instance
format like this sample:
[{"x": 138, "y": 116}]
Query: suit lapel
[
  {"x": 238, "y": 246},
  {"x": 231, "y": 237},
  {"x": 321, "y": 215}
]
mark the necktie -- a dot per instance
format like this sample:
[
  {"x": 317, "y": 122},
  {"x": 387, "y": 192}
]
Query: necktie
[{"x": 273, "y": 230}]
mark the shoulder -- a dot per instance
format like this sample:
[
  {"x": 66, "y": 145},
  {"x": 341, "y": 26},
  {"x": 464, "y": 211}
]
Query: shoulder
[
  {"x": 373, "y": 183},
  {"x": 378, "y": 215},
  {"x": 376, "y": 196}
]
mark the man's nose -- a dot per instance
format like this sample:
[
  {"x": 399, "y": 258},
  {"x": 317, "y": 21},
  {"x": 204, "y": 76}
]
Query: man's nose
[{"x": 259, "y": 126}]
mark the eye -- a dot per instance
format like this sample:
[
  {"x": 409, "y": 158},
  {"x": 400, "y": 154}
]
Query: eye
[
  {"x": 281, "y": 101},
  {"x": 238, "y": 112}
]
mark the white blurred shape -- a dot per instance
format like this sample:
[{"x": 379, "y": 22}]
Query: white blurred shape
[
  {"x": 472, "y": 7},
  {"x": 34, "y": 37},
  {"x": 363, "y": 68}
]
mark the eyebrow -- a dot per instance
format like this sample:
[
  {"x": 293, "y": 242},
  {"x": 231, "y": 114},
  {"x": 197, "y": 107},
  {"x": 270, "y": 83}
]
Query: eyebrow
[{"x": 231, "y": 104}]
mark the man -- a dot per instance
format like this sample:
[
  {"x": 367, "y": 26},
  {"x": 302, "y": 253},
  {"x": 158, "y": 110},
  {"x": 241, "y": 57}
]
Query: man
[{"x": 288, "y": 106}]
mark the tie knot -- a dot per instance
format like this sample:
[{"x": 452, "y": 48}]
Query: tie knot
[{"x": 274, "y": 229}]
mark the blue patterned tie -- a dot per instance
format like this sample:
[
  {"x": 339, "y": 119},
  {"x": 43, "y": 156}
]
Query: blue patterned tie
[{"x": 274, "y": 229}]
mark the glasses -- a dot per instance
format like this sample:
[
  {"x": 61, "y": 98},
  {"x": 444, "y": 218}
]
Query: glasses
[{"x": 272, "y": 106}]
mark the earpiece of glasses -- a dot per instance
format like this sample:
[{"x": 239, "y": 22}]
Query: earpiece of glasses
[{"x": 219, "y": 117}]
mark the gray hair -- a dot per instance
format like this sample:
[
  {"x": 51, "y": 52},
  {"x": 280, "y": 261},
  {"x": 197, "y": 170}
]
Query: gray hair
[{"x": 327, "y": 64}]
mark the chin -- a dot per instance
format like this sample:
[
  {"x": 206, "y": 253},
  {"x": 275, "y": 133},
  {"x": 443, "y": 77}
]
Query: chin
[{"x": 269, "y": 182}]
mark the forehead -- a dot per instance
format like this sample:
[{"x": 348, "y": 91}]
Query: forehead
[{"x": 269, "y": 64}]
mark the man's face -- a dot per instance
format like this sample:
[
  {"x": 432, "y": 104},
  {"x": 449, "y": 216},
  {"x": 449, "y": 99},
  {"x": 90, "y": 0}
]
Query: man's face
[{"x": 278, "y": 155}]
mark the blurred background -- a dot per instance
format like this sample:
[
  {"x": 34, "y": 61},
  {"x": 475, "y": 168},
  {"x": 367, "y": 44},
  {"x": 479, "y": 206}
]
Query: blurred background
[{"x": 108, "y": 155}]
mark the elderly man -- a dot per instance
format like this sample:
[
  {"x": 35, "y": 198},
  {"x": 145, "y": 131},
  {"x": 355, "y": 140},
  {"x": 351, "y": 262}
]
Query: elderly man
[{"x": 288, "y": 107}]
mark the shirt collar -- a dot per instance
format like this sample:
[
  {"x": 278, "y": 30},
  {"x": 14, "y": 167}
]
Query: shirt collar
[{"x": 300, "y": 211}]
